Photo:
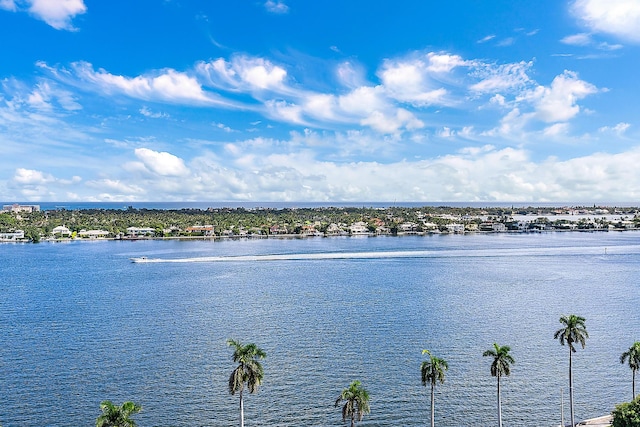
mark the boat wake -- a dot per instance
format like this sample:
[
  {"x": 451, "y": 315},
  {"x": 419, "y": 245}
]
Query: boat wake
[{"x": 489, "y": 253}]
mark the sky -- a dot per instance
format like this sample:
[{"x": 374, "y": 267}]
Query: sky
[{"x": 343, "y": 101}]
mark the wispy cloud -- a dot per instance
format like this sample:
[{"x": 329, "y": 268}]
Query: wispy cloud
[
  {"x": 487, "y": 38},
  {"x": 586, "y": 39},
  {"x": 276, "y": 6}
]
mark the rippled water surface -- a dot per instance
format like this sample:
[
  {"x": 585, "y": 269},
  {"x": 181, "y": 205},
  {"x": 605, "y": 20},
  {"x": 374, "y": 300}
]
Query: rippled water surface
[{"x": 80, "y": 323}]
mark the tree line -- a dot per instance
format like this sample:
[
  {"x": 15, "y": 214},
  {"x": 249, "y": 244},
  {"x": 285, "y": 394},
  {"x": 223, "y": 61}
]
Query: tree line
[{"x": 354, "y": 400}]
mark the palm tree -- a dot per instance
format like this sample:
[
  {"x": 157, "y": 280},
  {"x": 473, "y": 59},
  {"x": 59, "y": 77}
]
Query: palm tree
[
  {"x": 117, "y": 416},
  {"x": 249, "y": 370},
  {"x": 573, "y": 331},
  {"x": 432, "y": 371},
  {"x": 500, "y": 367},
  {"x": 633, "y": 354},
  {"x": 356, "y": 404}
]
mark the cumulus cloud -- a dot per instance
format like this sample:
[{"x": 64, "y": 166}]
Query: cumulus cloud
[
  {"x": 620, "y": 18},
  {"x": 57, "y": 13},
  {"x": 161, "y": 163},
  {"x": 30, "y": 176},
  {"x": 409, "y": 82},
  {"x": 558, "y": 102}
]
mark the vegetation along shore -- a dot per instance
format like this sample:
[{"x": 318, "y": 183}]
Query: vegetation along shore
[{"x": 29, "y": 223}]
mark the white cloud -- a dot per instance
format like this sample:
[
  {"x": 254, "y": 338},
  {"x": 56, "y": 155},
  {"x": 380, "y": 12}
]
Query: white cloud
[
  {"x": 487, "y": 38},
  {"x": 145, "y": 111},
  {"x": 392, "y": 123},
  {"x": 161, "y": 163},
  {"x": 501, "y": 77},
  {"x": 243, "y": 73},
  {"x": 33, "y": 177},
  {"x": 620, "y": 18},
  {"x": 444, "y": 62},
  {"x": 509, "y": 41},
  {"x": 277, "y": 6},
  {"x": 618, "y": 129},
  {"x": 580, "y": 39},
  {"x": 555, "y": 130},
  {"x": 168, "y": 85},
  {"x": 585, "y": 39},
  {"x": 408, "y": 82},
  {"x": 124, "y": 191},
  {"x": 9, "y": 5},
  {"x": 558, "y": 103},
  {"x": 44, "y": 95},
  {"x": 57, "y": 13}
]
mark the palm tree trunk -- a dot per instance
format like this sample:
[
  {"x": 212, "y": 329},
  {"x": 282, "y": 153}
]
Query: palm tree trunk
[
  {"x": 353, "y": 419},
  {"x": 573, "y": 422},
  {"x": 633, "y": 384},
  {"x": 241, "y": 410},
  {"x": 499, "y": 405},
  {"x": 433, "y": 402}
]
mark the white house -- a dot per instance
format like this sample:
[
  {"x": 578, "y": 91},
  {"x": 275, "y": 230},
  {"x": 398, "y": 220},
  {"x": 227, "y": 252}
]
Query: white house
[
  {"x": 359, "y": 228},
  {"x": 455, "y": 228},
  {"x": 61, "y": 231},
  {"x": 12, "y": 237},
  {"x": 93, "y": 234},
  {"x": 140, "y": 231}
]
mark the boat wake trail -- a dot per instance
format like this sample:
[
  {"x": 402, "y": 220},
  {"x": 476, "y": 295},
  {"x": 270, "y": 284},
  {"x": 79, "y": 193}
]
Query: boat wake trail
[{"x": 489, "y": 253}]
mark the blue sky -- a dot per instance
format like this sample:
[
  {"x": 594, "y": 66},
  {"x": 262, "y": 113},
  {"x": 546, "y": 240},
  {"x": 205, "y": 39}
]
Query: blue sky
[{"x": 345, "y": 101}]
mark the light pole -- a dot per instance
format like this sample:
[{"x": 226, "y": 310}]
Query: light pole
[{"x": 562, "y": 406}]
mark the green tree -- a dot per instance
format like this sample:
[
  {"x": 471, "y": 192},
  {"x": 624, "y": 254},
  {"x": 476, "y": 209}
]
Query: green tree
[
  {"x": 117, "y": 416},
  {"x": 500, "y": 367},
  {"x": 627, "y": 414},
  {"x": 356, "y": 402},
  {"x": 249, "y": 370},
  {"x": 633, "y": 356},
  {"x": 432, "y": 371},
  {"x": 573, "y": 331}
]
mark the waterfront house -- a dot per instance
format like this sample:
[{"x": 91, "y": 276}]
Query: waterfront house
[
  {"x": 359, "y": 228},
  {"x": 140, "y": 231},
  {"x": 335, "y": 230},
  {"x": 61, "y": 231},
  {"x": 12, "y": 236},
  {"x": 201, "y": 230},
  {"x": 93, "y": 234},
  {"x": 408, "y": 227},
  {"x": 455, "y": 228}
]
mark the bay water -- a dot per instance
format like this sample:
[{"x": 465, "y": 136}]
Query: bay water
[{"x": 80, "y": 323}]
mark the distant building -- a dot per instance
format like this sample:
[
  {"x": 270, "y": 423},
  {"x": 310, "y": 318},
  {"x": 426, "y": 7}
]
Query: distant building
[
  {"x": 16, "y": 208},
  {"x": 93, "y": 234},
  {"x": 61, "y": 231},
  {"x": 140, "y": 231},
  {"x": 12, "y": 237},
  {"x": 204, "y": 230}
]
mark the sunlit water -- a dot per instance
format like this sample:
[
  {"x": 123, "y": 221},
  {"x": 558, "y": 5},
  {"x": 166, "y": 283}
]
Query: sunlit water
[{"x": 80, "y": 323}]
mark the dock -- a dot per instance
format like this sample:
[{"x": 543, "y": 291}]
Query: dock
[{"x": 604, "y": 421}]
